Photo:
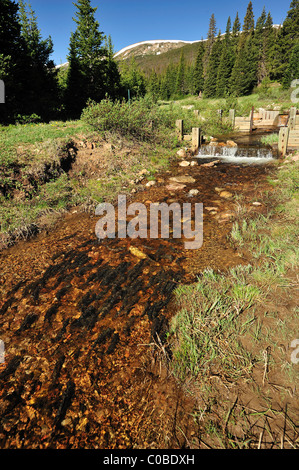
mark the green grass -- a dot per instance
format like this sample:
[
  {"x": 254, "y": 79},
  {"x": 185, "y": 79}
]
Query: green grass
[
  {"x": 35, "y": 185},
  {"x": 226, "y": 322},
  {"x": 270, "y": 139},
  {"x": 206, "y": 329},
  {"x": 31, "y": 134},
  {"x": 276, "y": 97}
]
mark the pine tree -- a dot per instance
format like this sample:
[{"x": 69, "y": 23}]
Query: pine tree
[
  {"x": 168, "y": 83},
  {"x": 12, "y": 61},
  {"x": 112, "y": 75},
  {"x": 132, "y": 80},
  {"x": 38, "y": 49},
  {"x": 41, "y": 86},
  {"x": 210, "y": 86},
  {"x": 154, "y": 85},
  {"x": 209, "y": 44},
  {"x": 244, "y": 73},
  {"x": 289, "y": 40},
  {"x": 198, "y": 78},
  {"x": 269, "y": 44},
  {"x": 275, "y": 55},
  {"x": 248, "y": 25},
  {"x": 181, "y": 76},
  {"x": 86, "y": 60},
  {"x": 226, "y": 64},
  {"x": 292, "y": 72},
  {"x": 260, "y": 44},
  {"x": 236, "y": 26},
  {"x": 189, "y": 80}
]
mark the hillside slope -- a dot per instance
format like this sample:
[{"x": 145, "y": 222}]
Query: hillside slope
[{"x": 157, "y": 55}]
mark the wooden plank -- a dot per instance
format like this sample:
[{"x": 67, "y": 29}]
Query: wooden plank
[
  {"x": 179, "y": 124},
  {"x": 293, "y": 117},
  {"x": 195, "y": 138},
  {"x": 251, "y": 119},
  {"x": 283, "y": 140}
]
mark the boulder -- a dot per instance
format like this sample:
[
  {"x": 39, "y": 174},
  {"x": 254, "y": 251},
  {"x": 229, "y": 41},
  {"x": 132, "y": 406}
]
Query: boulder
[
  {"x": 182, "y": 153},
  {"x": 184, "y": 163},
  {"x": 231, "y": 143}
]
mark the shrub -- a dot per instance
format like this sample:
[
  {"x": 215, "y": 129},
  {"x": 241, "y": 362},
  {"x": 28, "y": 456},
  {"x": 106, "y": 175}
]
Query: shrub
[
  {"x": 28, "y": 119},
  {"x": 134, "y": 119}
]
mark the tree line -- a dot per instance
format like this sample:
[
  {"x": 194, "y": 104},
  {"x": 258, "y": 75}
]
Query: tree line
[
  {"x": 235, "y": 62},
  {"x": 34, "y": 86},
  {"x": 226, "y": 64}
]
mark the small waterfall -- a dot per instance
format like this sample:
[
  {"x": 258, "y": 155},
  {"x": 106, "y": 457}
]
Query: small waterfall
[{"x": 236, "y": 154}]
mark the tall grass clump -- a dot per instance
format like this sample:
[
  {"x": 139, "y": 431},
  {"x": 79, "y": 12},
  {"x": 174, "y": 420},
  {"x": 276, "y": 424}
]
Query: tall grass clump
[{"x": 205, "y": 332}]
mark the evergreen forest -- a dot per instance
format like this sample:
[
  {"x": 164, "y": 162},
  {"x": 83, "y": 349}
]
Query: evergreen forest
[{"x": 249, "y": 54}]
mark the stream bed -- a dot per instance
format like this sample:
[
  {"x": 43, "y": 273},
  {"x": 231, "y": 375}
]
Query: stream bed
[{"x": 80, "y": 319}]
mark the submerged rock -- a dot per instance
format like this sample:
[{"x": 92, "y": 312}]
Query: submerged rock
[
  {"x": 150, "y": 184},
  {"x": 175, "y": 187},
  {"x": 226, "y": 194},
  {"x": 136, "y": 252},
  {"x": 182, "y": 179},
  {"x": 210, "y": 164},
  {"x": 193, "y": 192}
]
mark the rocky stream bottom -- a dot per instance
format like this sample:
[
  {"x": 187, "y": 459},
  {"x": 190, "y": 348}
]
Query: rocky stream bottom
[{"x": 84, "y": 322}]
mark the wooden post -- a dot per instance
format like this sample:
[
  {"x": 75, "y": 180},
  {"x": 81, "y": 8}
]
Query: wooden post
[
  {"x": 195, "y": 138},
  {"x": 251, "y": 120},
  {"x": 196, "y": 112},
  {"x": 292, "y": 119},
  {"x": 232, "y": 117},
  {"x": 180, "y": 128},
  {"x": 283, "y": 140}
]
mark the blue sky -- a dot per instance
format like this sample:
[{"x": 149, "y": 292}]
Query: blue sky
[{"x": 131, "y": 21}]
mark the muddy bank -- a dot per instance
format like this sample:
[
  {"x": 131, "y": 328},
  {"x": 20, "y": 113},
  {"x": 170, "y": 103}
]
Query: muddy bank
[{"x": 83, "y": 322}]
